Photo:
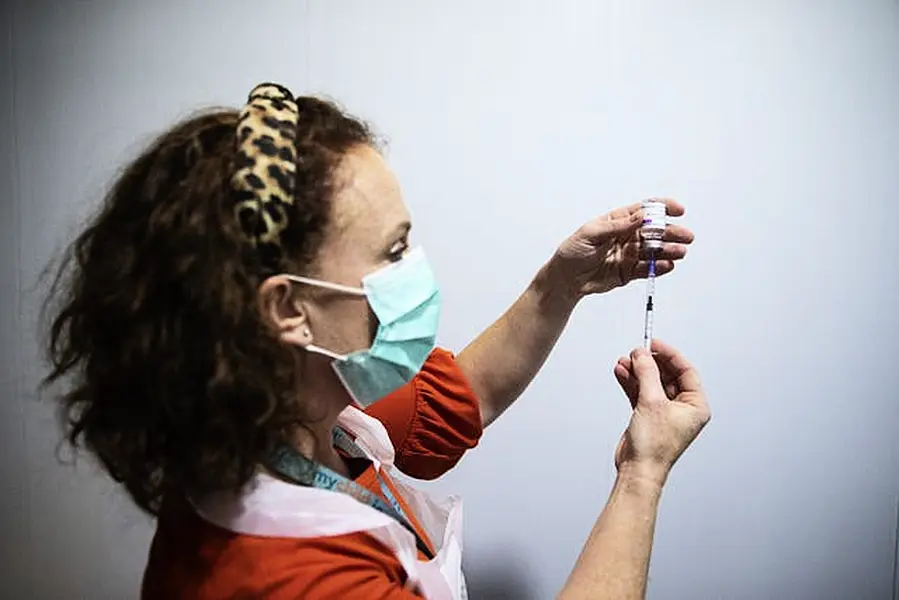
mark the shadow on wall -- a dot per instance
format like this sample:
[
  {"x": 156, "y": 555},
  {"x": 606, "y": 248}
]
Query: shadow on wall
[{"x": 500, "y": 577}]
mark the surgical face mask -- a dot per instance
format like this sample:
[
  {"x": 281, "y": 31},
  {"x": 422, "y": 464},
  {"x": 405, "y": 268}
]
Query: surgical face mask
[{"x": 405, "y": 299}]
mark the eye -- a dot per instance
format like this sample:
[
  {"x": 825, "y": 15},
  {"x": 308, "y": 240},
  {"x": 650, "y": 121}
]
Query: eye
[{"x": 398, "y": 250}]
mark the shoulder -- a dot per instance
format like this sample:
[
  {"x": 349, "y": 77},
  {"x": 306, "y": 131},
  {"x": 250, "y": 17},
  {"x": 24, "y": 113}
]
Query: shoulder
[{"x": 433, "y": 420}]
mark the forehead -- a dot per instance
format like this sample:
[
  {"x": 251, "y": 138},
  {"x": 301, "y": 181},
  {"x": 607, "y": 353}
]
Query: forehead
[
  {"x": 367, "y": 209},
  {"x": 367, "y": 192}
]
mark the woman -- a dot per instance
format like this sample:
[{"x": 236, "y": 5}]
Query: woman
[{"x": 246, "y": 288}]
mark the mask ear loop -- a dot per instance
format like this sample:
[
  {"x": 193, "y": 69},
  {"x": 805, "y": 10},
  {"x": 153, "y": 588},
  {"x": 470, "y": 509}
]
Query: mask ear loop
[
  {"x": 337, "y": 287},
  {"x": 324, "y": 352}
]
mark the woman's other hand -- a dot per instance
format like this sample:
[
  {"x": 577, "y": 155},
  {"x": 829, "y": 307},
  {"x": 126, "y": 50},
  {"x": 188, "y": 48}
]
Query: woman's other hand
[{"x": 669, "y": 410}]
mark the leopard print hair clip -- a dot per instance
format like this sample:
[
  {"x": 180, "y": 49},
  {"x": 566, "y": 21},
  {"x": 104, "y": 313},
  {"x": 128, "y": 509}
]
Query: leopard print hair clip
[{"x": 265, "y": 169}]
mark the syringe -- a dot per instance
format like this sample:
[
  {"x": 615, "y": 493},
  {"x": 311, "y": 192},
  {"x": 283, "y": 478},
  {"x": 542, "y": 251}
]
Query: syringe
[
  {"x": 652, "y": 232},
  {"x": 650, "y": 292}
]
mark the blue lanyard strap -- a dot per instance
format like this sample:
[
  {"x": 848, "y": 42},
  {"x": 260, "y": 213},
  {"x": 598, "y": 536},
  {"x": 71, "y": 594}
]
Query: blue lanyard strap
[{"x": 288, "y": 462}]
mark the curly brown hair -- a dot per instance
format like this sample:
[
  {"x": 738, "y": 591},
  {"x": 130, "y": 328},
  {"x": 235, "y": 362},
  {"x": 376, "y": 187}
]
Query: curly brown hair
[{"x": 170, "y": 375}]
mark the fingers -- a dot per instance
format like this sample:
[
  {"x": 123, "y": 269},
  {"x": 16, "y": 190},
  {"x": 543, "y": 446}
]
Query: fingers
[
  {"x": 635, "y": 208},
  {"x": 678, "y": 234},
  {"x": 629, "y": 383},
  {"x": 649, "y": 381},
  {"x": 675, "y": 367},
  {"x": 674, "y": 208},
  {"x": 612, "y": 225},
  {"x": 677, "y": 378},
  {"x": 668, "y": 251},
  {"x": 628, "y": 219},
  {"x": 626, "y": 380},
  {"x": 663, "y": 267}
]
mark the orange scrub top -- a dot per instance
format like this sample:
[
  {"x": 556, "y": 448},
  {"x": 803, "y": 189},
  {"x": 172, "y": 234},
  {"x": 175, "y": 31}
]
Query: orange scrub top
[{"x": 431, "y": 422}]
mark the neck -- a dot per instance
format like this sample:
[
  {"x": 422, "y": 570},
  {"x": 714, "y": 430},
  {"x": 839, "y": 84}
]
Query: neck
[
  {"x": 316, "y": 443},
  {"x": 325, "y": 403}
]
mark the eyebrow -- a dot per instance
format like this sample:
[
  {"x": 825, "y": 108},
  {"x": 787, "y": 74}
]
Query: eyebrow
[{"x": 402, "y": 229}]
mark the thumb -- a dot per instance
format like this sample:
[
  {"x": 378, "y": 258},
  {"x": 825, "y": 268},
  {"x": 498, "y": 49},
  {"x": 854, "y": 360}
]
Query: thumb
[
  {"x": 647, "y": 373},
  {"x": 598, "y": 230}
]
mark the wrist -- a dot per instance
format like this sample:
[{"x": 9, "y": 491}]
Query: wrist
[
  {"x": 637, "y": 491},
  {"x": 555, "y": 288},
  {"x": 643, "y": 475}
]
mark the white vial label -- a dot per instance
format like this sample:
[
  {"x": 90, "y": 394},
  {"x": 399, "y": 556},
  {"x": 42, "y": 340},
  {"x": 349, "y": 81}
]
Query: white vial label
[
  {"x": 654, "y": 214},
  {"x": 654, "y": 223}
]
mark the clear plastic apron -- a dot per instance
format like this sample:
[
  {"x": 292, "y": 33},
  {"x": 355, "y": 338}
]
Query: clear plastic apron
[{"x": 271, "y": 507}]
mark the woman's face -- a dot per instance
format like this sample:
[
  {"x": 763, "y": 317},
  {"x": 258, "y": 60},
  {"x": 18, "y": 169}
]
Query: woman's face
[{"x": 368, "y": 229}]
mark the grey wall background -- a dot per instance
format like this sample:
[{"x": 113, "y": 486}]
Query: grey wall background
[{"x": 775, "y": 122}]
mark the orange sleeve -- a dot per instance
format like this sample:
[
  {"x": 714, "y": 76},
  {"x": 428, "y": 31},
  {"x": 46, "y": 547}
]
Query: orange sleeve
[{"x": 433, "y": 420}]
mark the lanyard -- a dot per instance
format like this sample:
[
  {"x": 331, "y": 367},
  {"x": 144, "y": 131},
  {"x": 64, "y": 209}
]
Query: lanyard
[{"x": 289, "y": 463}]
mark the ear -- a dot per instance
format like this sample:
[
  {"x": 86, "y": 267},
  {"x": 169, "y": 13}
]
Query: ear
[{"x": 283, "y": 312}]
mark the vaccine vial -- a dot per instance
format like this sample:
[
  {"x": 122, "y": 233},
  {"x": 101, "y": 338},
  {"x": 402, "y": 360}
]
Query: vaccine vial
[{"x": 654, "y": 222}]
